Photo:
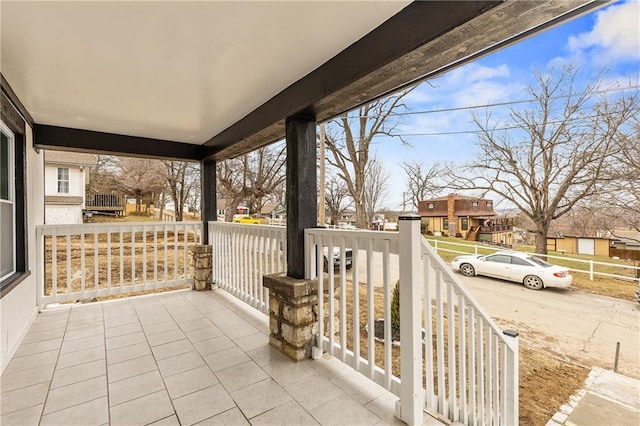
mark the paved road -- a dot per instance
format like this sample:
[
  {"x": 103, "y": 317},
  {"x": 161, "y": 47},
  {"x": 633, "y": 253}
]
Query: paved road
[{"x": 577, "y": 326}]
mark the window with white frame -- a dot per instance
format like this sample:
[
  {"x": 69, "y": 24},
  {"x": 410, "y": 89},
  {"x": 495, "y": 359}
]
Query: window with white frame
[
  {"x": 63, "y": 180},
  {"x": 7, "y": 203}
]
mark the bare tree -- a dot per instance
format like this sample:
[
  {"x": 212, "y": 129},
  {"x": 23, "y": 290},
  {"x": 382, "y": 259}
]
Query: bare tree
[
  {"x": 375, "y": 188},
  {"x": 558, "y": 153},
  {"x": 141, "y": 178},
  {"x": 256, "y": 177},
  {"x": 349, "y": 138},
  {"x": 103, "y": 177},
  {"x": 422, "y": 182},
  {"x": 181, "y": 178},
  {"x": 337, "y": 199}
]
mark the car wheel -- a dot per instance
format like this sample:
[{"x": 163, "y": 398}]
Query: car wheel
[
  {"x": 532, "y": 282},
  {"x": 467, "y": 270}
]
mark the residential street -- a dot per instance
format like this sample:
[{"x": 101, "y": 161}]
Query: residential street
[{"x": 573, "y": 325}]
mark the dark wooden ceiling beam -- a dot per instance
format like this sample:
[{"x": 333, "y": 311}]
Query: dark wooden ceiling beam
[
  {"x": 421, "y": 41},
  {"x": 67, "y": 139}
]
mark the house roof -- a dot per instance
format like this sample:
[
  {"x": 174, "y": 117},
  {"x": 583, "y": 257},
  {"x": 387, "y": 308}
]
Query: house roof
[
  {"x": 69, "y": 158},
  {"x": 215, "y": 79}
]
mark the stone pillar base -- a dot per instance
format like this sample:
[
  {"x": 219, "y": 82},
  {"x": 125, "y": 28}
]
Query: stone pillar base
[
  {"x": 202, "y": 267},
  {"x": 292, "y": 314}
]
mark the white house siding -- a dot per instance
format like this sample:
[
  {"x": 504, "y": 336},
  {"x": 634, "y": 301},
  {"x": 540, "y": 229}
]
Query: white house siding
[
  {"x": 63, "y": 213},
  {"x": 18, "y": 307}
]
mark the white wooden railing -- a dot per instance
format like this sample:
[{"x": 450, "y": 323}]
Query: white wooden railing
[
  {"x": 78, "y": 262},
  {"x": 242, "y": 254},
  {"x": 464, "y": 368}
]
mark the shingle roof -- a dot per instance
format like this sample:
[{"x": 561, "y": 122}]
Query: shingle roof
[{"x": 74, "y": 158}]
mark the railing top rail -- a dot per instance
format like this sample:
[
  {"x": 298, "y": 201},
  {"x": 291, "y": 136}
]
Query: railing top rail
[
  {"x": 360, "y": 233},
  {"x": 214, "y": 223},
  {"x": 97, "y": 226},
  {"x": 460, "y": 289}
]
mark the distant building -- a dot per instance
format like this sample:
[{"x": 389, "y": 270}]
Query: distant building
[
  {"x": 66, "y": 176},
  {"x": 469, "y": 217}
]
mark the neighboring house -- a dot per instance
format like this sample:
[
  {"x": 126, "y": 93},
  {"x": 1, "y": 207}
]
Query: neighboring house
[
  {"x": 65, "y": 177},
  {"x": 469, "y": 217},
  {"x": 573, "y": 244}
]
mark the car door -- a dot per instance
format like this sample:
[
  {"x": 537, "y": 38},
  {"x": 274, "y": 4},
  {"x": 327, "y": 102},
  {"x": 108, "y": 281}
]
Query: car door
[
  {"x": 520, "y": 268},
  {"x": 496, "y": 265}
]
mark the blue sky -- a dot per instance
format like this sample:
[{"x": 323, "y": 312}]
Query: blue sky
[{"x": 607, "y": 38}]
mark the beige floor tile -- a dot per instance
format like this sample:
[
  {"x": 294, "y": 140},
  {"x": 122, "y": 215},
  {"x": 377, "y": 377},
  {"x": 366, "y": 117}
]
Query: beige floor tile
[
  {"x": 94, "y": 412},
  {"x": 241, "y": 375},
  {"x": 229, "y": 357},
  {"x": 167, "y": 421},
  {"x": 154, "y": 318},
  {"x": 84, "y": 332},
  {"x": 45, "y": 325},
  {"x": 81, "y": 357},
  {"x": 240, "y": 330},
  {"x": 202, "y": 334},
  {"x": 121, "y": 330},
  {"x": 76, "y": 393},
  {"x": 179, "y": 363},
  {"x": 83, "y": 323},
  {"x": 126, "y": 340},
  {"x": 38, "y": 336},
  {"x": 37, "y": 347},
  {"x": 260, "y": 397},
  {"x": 27, "y": 417},
  {"x": 30, "y": 361},
  {"x": 313, "y": 391},
  {"x": 287, "y": 414},
  {"x": 194, "y": 324},
  {"x": 128, "y": 352},
  {"x": 135, "y": 387},
  {"x": 343, "y": 410},
  {"x": 22, "y": 398},
  {"x": 384, "y": 407},
  {"x": 78, "y": 373},
  {"x": 189, "y": 314},
  {"x": 265, "y": 355},
  {"x": 166, "y": 337},
  {"x": 169, "y": 350},
  {"x": 230, "y": 417},
  {"x": 358, "y": 387},
  {"x": 252, "y": 341},
  {"x": 118, "y": 321},
  {"x": 132, "y": 367},
  {"x": 160, "y": 327},
  {"x": 191, "y": 409},
  {"x": 81, "y": 344},
  {"x": 142, "y": 411},
  {"x": 286, "y": 371},
  {"x": 217, "y": 344},
  {"x": 190, "y": 381},
  {"x": 24, "y": 378}
]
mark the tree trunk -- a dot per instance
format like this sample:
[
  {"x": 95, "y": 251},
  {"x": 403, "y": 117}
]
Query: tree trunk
[{"x": 541, "y": 238}]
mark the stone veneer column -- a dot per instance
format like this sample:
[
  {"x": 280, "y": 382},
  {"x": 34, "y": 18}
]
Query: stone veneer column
[
  {"x": 292, "y": 314},
  {"x": 202, "y": 266}
]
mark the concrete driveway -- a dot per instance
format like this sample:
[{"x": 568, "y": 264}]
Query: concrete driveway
[{"x": 576, "y": 326}]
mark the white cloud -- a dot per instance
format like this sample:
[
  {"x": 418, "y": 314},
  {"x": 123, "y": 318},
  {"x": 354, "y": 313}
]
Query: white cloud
[{"x": 614, "y": 37}]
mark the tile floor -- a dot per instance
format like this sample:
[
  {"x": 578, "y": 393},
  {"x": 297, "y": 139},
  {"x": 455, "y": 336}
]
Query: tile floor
[{"x": 177, "y": 358}]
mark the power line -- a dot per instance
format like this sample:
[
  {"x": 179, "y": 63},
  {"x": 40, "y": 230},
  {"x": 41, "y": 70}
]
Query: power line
[{"x": 524, "y": 101}]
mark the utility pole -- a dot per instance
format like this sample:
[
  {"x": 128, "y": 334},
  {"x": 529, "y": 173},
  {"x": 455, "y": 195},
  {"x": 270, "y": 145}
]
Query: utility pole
[{"x": 321, "y": 206}]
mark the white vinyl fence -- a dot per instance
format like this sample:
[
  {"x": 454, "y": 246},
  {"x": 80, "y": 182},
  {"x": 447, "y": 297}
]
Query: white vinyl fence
[
  {"x": 78, "y": 262},
  {"x": 243, "y": 254},
  {"x": 454, "y": 361},
  {"x": 590, "y": 267}
]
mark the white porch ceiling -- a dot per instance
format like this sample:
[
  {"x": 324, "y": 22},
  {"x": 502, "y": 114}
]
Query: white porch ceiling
[{"x": 181, "y": 71}]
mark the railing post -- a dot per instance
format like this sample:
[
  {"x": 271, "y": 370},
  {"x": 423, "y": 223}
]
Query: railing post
[
  {"x": 409, "y": 408},
  {"x": 475, "y": 249},
  {"x": 510, "y": 386},
  {"x": 591, "y": 269}
]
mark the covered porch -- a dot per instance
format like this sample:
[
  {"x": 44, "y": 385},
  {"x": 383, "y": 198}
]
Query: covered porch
[
  {"x": 191, "y": 81},
  {"x": 182, "y": 357}
]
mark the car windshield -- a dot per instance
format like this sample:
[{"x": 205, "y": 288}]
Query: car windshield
[{"x": 539, "y": 261}]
